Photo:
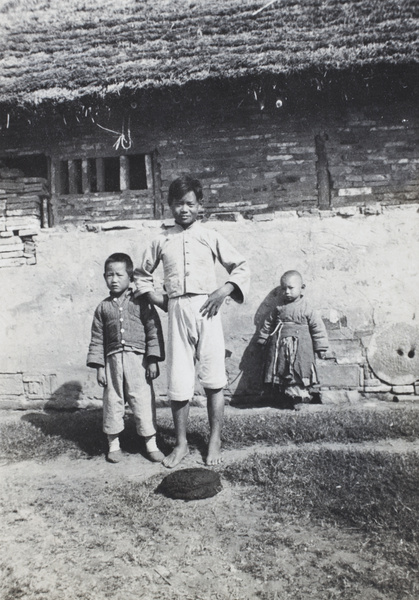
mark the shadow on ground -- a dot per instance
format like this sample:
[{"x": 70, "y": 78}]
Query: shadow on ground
[{"x": 84, "y": 429}]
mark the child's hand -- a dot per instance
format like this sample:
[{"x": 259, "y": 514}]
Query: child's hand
[
  {"x": 101, "y": 377},
  {"x": 321, "y": 354},
  {"x": 152, "y": 370},
  {"x": 214, "y": 301}
]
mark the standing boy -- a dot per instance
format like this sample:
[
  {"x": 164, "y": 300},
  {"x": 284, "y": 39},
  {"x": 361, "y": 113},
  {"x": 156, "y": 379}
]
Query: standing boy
[
  {"x": 188, "y": 253},
  {"x": 125, "y": 348}
]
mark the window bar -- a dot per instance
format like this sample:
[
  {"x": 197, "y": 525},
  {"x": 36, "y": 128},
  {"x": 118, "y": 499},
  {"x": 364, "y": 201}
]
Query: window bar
[
  {"x": 123, "y": 173},
  {"x": 72, "y": 176},
  {"x": 86, "y": 176},
  {"x": 100, "y": 175},
  {"x": 149, "y": 171}
]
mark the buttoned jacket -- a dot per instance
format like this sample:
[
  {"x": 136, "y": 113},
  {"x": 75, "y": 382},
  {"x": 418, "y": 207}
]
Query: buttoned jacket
[
  {"x": 188, "y": 257},
  {"x": 125, "y": 323}
]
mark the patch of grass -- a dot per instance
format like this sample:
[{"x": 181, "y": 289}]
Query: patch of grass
[
  {"x": 367, "y": 490},
  {"x": 343, "y": 425},
  {"x": 49, "y": 434},
  {"x": 371, "y": 497}
]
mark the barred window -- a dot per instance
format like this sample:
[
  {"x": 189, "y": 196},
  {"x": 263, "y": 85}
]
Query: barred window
[{"x": 105, "y": 174}]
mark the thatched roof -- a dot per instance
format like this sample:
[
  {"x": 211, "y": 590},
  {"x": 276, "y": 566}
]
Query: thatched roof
[{"x": 66, "y": 49}]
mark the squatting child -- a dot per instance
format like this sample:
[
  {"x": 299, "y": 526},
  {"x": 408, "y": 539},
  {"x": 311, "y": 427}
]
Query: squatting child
[
  {"x": 188, "y": 252},
  {"x": 293, "y": 333},
  {"x": 126, "y": 345}
]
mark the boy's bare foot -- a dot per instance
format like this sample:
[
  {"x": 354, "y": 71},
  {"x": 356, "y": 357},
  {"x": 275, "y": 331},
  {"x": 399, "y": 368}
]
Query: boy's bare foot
[
  {"x": 178, "y": 453},
  {"x": 115, "y": 457},
  {"x": 214, "y": 453},
  {"x": 155, "y": 456}
]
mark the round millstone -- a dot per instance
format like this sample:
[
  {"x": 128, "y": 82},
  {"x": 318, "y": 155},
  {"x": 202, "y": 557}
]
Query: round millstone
[{"x": 393, "y": 354}]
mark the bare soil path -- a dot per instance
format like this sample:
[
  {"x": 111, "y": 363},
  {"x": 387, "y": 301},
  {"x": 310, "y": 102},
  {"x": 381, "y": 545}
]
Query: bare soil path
[{"x": 86, "y": 529}]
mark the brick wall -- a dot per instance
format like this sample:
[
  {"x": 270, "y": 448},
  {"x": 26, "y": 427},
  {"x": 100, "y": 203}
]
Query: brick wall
[
  {"x": 249, "y": 161},
  {"x": 23, "y": 201}
]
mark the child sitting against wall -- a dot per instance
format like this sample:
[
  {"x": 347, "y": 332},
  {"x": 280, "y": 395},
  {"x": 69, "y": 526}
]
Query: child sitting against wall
[
  {"x": 125, "y": 348},
  {"x": 292, "y": 334}
]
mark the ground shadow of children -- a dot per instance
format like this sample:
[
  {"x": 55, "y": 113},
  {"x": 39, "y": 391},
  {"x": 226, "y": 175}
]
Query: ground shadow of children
[{"x": 63, "y": 418}]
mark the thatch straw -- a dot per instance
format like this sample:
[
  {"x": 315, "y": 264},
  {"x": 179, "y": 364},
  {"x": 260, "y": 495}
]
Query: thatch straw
[{"x": 60, "y": 50}]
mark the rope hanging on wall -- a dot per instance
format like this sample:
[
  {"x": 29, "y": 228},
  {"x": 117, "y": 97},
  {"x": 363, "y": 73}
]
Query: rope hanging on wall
[{"x": 124, "y": 140}]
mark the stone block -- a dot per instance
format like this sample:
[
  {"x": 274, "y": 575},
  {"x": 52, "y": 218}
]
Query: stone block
[
  {"x": 286, "y": 214},
  {"x": 403, "y": 389},
  {"x": 38, "y": 386},
  {"x": 347, "y": 211},
  {"x": 28, "y": 232},
  {"x": 337, "y": 397},
  {"x": 12, "y": 253},
  {"x": 347, "y": 351},
  {"x": 355, "y": 191},
  {"x": 372, "y": 389},
  {"x": 12, "y": 262},
  {"x": 407, "y": 398},
  {"x": 227, "y": 216},
  {"x": 332, "y": 375},
  {"x": 263, "y": 217},
  {"x": 11, "y": 384},
  {"x": 371, "y": 210},
  {"x": 10, "y": 240}
]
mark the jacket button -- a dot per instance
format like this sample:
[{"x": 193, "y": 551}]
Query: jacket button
[{"x": 122, "y": 341}]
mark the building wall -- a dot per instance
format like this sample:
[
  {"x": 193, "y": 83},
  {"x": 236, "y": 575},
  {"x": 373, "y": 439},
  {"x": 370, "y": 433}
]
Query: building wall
[
  {"x": 250, "y": 161},
  {"x": 263, "y": 175},
  {"x": 361, "y": 271}
]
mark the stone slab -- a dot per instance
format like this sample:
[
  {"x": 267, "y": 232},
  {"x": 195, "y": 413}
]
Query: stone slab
[
  {"x": 338, "y": 376},
  {"x": 11, "y": 384}
]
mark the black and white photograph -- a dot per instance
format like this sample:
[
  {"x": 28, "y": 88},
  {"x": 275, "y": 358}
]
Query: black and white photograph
[{"x": 209, "y": 291}]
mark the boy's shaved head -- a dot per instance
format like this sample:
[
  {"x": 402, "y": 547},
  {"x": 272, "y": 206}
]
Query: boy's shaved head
[
  {"x": 292, "y": 285},
  {"x": 289, "y": 274}
]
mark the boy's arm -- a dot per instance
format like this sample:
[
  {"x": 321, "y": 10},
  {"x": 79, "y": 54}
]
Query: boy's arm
[
  {"x": 153, "y": 331},
  {"x": 238, "y": 282},
  {"x": 318, "y": 333},
  {"x": 143, "y": 275},
  {"x": 236, "y": 266},
  {"x": 267, "y": 328},
  {"x": 214, "y": 301},
  {"x": 96, "y": 353}
]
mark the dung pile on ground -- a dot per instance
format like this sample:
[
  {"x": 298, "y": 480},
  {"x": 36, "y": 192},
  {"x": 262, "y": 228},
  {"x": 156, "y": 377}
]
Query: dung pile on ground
[{"x": 191, "y": 484}]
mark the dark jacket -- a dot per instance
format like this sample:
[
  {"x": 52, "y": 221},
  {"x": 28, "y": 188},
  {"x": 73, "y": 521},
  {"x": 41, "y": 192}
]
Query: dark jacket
[
  {"x": 298, "y": 320},
  {"x": 125, "y": 323}
]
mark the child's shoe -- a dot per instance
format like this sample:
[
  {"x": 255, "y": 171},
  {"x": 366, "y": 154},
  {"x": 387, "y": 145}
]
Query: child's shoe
[
  {"x": 155, "y": 456},
  {"x": 115, "y": 456}
]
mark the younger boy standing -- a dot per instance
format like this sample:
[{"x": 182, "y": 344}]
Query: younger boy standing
[
  {"x": 188, "y": 253},
  {"x": 125, "y": 348},
  {"x": 293, "y": 333}
]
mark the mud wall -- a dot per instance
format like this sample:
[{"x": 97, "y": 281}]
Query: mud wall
[{"x": 360, "y": 267}]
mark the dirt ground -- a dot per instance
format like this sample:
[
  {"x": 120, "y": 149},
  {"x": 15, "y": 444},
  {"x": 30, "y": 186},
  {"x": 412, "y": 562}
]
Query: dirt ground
[{"x": 68, "y": 532}]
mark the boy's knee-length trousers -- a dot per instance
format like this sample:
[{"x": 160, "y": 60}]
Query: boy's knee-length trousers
[
  {"x": 193, "y": 339},
  {"x": 126, "y": 381}
]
